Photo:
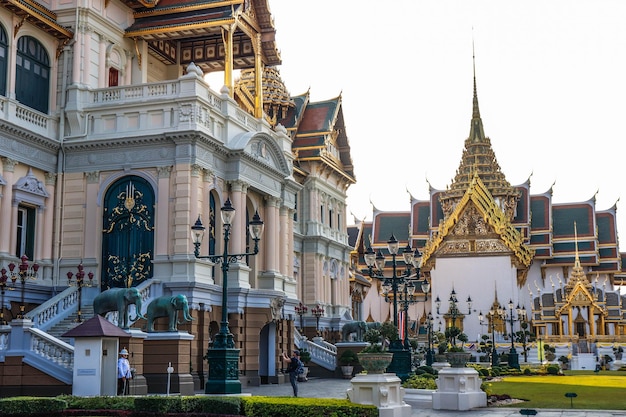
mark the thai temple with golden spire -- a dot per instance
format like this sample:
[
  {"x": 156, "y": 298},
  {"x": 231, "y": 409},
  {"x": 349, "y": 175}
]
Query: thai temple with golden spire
[{"x": 482, "y": 232}]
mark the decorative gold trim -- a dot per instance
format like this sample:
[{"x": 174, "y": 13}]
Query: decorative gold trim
[
  {"x": 493, "y": 215},
  {"x": 138, "y": 53},
  {"x": 190, "y": 26},
  {"x": 185, "y": 8}
]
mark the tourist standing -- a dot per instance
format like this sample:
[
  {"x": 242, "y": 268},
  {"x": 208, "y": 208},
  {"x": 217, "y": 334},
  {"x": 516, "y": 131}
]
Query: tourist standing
[
  {"x": 123, "y": 373},
  {"x": 292, "y": 369}
]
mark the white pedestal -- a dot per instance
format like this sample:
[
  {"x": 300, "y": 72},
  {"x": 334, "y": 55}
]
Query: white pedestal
[
  {"x": 615, "y": 365},
  {"x": 383, "y": 391},
  {"x": 458, "y": 389}
]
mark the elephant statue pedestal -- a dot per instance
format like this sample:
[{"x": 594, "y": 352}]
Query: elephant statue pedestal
[
  {"x": 165, "y": 349},
  {"x": 135, "y": 345}
]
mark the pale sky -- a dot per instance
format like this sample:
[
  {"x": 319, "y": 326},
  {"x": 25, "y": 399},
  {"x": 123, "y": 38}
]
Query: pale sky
[{"x": 551, "y": 79}]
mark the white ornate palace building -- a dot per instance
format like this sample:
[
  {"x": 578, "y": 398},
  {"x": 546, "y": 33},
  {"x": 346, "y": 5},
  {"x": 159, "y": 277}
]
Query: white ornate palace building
[{"x": 112, "y": 145}]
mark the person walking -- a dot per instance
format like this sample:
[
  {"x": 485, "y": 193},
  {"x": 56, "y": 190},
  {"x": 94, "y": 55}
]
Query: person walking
[
  {"x": 123, "y": 373},
  {"x": 292, "y": 369}
]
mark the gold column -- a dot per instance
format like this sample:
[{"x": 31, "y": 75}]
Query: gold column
[
  {"x": 592, "y": 324},
  {"x": 227, "y": 37},
  {"x": 258, "y": 78}
]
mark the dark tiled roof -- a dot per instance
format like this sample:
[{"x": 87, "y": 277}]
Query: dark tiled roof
[{"x": 97, "y": 326}]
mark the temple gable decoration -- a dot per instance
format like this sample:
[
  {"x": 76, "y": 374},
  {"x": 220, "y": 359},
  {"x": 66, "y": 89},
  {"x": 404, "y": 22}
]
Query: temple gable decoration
[{"x": 477, "y": 226}]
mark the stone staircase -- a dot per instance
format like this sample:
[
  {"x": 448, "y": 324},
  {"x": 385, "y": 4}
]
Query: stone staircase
[{"x": 70, "y": 322}]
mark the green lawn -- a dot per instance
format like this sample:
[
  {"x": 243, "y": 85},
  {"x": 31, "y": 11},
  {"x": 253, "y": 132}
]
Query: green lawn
[{"x": 602, "y": 391}]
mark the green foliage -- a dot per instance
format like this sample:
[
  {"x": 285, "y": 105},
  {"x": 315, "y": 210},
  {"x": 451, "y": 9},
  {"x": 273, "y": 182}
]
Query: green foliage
[
  {"x": 527, "y": 371},
  {"x": 486, "y": 387},
  {"x": 389, "y": 331},
  {"x": 305, "y": 356},
  {"x": 191, "y": 404},
  {"x": 553, "y": 369},
  {"x": 374, "y": 338},
  {"x": 304, "y": 407},
  {"x": 377, "y": 337},
  {"x": 99, "y": 403},
  {"x": 31, "y": 405},
  {"x": 348, "y": 358},
  {"x": 420, "y": 382}
]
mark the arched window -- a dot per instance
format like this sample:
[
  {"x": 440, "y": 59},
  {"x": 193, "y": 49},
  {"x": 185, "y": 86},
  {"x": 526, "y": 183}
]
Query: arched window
[
  {"x": 32, "y": 75},
  {"x": 4, "y": 51}
]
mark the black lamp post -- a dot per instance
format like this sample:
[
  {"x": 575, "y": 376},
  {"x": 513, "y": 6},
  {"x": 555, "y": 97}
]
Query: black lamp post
[
  {"x": 222, "y": 357},
  {"x": 317, "y": 311},
  {"x": 494, "y": 313},
  {"x": 407, "y": 297},
  {"x": 430, "y": 353},
  {"x": 25, "y": 271},
  {"x": 453, "y": 309},
  {"x": 301, "y": 310},
  {"x": 80, "y": 283},
  {"x": 513, "y": 355},
  {"x": 401, "y": 363}
]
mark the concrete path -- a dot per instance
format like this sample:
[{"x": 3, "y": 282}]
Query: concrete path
[{"x": 337, "y": 388}]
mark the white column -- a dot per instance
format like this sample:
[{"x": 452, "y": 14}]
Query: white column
[
  {"x": 272, "y": 231},
  {"x": 49, "y": 216},
  {"x": 162, "y": 210},
  {"x": 5, "y": 208},
  {"x": 93, "y": 225},
  {"x": 103, "y": 79}
]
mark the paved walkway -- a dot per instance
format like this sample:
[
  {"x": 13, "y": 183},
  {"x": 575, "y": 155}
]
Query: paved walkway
[{"x": 337, "y": 388}]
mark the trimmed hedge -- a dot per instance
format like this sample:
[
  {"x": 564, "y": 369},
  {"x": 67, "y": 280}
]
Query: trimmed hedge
[
  {"x": 31, "y": 405},
  {"x": 304, "y": 407}
]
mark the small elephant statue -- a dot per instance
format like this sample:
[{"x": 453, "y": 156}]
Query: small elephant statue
[
  {"x": 358, "y": 327},
  {"x": 118, "y": 299},
  {"x": 374, "y": 325},
  {"x": 168, "y": 306}
]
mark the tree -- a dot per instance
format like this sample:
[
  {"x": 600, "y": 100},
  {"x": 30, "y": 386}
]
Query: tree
[{"x": 524, "y": 336}]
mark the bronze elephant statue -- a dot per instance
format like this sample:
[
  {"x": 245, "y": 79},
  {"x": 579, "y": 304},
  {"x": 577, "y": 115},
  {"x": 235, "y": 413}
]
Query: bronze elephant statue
[
  {"x": 350, "y": 327},
  {"x": 118, "y": 299},
  {"x": 168, "y": 306}
]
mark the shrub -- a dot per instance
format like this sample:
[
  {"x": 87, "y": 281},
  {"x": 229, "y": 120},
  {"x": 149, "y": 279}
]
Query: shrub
[
  {"x": 553, "y": 369},
  {"x": 99, "y": 403},
  {"x": 304, "y": 407},
  {"x": 420, "y": 382},
  {"x": 527, "y": 371},
  {"x": 32, "y": 405},
  {"x": 348, "y": 358}
]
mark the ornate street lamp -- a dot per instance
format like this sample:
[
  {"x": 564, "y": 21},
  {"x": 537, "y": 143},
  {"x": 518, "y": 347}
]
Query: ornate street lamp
[
  {"x": 301, "y": 310},
  {"x": 80, "y": 283},
  {"x": 317, "y": 311},
  {"x": 453, "y": 309},
  {"x": 222, "y": 357},
  {"x": 408, "y": 297},
  {"x": 3, "y": 285},
  {"x": 430, "y": 353},
  {"x": 25, "y": 272},
  {"x": 494, "y": 313},
  {"x": 513, "y": 355},
  {"x": 401, "y": 363}
]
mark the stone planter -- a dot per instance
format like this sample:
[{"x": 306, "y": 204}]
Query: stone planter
[
  {"x": 375, "y": 363},
  {"x": 346, "y": 371},
  {"x": 458, "y": 359}
]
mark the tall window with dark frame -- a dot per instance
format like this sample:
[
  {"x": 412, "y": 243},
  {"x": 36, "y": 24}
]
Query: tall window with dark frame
[
  {"x": 32, "y": 75},
  {"x": 4, "y": 51},
  {"x": 25, "y": 231}
]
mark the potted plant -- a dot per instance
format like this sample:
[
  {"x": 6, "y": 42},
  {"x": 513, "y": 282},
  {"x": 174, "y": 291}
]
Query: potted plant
[
  {"x": 456, "y": 355},
  {"x": 305, "y": 357},
  {"x": 348, "y": 360},
  {"x": 374, "y": 358},
  {"x": 564, "y": 362}
]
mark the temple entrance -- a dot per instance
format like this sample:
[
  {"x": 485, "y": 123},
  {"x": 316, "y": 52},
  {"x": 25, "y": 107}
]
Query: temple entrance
[{"x": 580, "y": 326}]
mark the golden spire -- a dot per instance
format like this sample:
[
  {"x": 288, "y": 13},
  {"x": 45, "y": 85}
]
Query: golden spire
[{"x": 479, "y": 158}]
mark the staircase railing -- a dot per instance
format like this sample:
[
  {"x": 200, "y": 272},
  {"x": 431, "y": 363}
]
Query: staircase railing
[
  {"x": 322, "y": 353},
  {"x": 50, "y": 355},
  {"x": 55, "y": 309}
]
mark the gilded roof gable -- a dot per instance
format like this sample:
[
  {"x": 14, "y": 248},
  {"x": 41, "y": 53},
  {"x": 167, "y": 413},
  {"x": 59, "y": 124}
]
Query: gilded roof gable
[{"x": 478, "y": 226}]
